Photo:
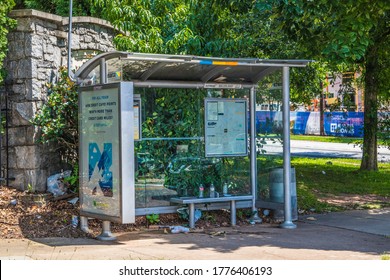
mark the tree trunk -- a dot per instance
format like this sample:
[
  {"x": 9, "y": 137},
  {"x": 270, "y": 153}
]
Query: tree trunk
[
  {"x": 370, "y": 150},
  {"x": 322, "y": 101}
]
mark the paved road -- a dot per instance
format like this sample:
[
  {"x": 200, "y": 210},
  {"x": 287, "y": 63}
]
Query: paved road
[{"x": 323, "y": 149}]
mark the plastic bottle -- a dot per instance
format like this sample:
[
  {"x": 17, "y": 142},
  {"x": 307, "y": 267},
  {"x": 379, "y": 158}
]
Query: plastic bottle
[
  {"x": 225, "y": 189},
  {"x": 212, "y": 190},
  {"x": 201, "y": 191}
]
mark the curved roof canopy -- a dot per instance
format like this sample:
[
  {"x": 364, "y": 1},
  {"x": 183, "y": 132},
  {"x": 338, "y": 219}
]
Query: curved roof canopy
[{"x": 159, "y": 70}]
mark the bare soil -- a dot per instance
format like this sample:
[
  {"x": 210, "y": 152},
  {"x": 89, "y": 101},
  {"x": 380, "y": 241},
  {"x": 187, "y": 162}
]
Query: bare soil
[
  {"x": 21, "y": 217},
  {"x": 353, "y": 201}
]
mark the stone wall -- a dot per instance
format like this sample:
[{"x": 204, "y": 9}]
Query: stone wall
[{"x": 37, "y": 48}]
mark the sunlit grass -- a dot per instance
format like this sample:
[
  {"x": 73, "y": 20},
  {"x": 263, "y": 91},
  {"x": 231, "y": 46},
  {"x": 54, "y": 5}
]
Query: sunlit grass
[
  {"x": 329, "y": 139},
  {"x": 327, "y": 177},
  {"x": 338, "y": 176}
]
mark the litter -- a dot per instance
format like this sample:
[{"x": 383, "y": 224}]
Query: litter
[
  {"x": 55, "y": 184},
  {"x": 73, "y": 200},
  {"x": 179, "y": 229}
]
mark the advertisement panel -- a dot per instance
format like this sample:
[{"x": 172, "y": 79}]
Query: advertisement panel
[{"x": 106, "y": 148}]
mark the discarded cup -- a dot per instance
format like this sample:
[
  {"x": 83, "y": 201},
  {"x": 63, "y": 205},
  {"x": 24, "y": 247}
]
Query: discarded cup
[{"x": 75, "y": 221}]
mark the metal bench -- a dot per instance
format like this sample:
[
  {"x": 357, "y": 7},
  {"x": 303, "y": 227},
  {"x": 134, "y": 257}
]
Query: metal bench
[{"x": 191, "y": 201}]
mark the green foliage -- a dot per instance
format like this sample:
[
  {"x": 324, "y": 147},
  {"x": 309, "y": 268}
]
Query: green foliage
[
  {"x": 153, "y": 218},
  {"x": 354, "y": 33},
  {"x": 174, "y": 26},
  {"x": 58, "y": 117},
  {"x": 72, "y": 182},
  {"x": 60, "y": 7},
  {"x": 6, "y": 24}
]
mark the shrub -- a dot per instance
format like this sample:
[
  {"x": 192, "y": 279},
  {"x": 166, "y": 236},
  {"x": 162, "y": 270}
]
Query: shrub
[{"x": 58, "y": 118}]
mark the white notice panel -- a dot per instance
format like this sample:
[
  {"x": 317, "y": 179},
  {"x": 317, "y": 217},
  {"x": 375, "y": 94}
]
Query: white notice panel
[
  {"x": 226, "y": 130},
  {"x": 106, "y": 145}
]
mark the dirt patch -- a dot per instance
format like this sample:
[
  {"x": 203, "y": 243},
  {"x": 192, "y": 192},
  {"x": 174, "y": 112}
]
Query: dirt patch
[
  {"x": 26, "y": 216},
  {"x": 22, "y": 217},
  {"x": 353, "y": 201}
]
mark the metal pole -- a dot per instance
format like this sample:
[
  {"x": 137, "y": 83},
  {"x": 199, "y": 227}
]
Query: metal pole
[
  {"x": 106, "y": 234},
  {"x": 191, "y": 207},
  {"x": 286, "y": 151},
  {"x": 233, "y": 212},
  {"x": 253, "y": 154},
  {"x": 103, "y": 74},
  {"x": 84, "y": 224}
]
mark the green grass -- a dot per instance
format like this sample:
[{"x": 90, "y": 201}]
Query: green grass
[
  {"x": 332, "y": 139},
  {"x": 385, "y": 257},
  {"x": 319, "y": 177},
  {"x": 328, "y": 139}
]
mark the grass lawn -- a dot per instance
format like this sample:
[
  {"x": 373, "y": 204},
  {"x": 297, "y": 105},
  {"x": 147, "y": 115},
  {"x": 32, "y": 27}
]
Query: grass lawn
[
  {"x": 319, "y": 178},
  {"x": 332, "y": 139},
  {"x": 329, "y": 139}
]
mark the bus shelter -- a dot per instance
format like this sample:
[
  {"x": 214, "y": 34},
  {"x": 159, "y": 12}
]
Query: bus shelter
[{"x": 166, "y": 133}]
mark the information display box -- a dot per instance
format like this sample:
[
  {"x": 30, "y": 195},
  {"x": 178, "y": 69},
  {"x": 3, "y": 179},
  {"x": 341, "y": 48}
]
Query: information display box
[{"x": 226, "y": 129}]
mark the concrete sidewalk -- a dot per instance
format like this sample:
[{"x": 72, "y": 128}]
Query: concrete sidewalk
[{"x": 351, "y": 235}]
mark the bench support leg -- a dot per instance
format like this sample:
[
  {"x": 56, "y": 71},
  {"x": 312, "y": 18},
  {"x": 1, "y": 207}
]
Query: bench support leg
[
  {"x": 106, "y": 234},
  {"x": 192, "y": 215},
  {"x": 233, "y": 212}
]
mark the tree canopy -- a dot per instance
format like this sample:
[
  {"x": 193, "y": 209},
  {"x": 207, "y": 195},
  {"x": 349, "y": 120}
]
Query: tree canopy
[
  {"x": 350, "y": 33},
  {"x": 60, "y": 7},
  {"x": 5, "y": 24},
  {"x": 353, "y": 32}
]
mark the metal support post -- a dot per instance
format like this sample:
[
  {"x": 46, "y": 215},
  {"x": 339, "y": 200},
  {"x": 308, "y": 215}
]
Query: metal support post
[
  {"x": 253, "y": 154},
  {"x": 286, "y": 151},
  {"x": 106, "y": 234},
  {"x": 84, "y": 224},
  {"x": 103, "y": 72},
  {"x": 233, "y": 220},
  {"x": 191, "y": 209}
]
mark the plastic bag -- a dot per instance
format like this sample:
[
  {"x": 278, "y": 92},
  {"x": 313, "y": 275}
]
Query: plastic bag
[
  {"x": 179, "y": 229},
  {"x": 55, "y": 183},
  {"x": 184, "y": 214}
]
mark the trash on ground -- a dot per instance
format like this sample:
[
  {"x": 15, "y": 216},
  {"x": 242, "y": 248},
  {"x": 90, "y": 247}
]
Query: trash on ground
[
  {"x": 179, "y": 229},
  {"x": 13, "y": 202},
  {"x": 311, "y": 219},
  {"x": 185, "y": 215},
  {"x": 55, "y": 183},
  {"x": 218, "y": 233},
  {"x": 73, "y": 200},
  {"x": 75, "y": 221}
]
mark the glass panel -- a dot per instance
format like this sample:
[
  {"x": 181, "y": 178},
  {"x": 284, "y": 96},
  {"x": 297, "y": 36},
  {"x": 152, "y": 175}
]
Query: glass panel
[
  {"x": 93, "y": 77},
  {"x": 170, "y": 156},
  {"x": 114, "y": 70},
  {"x": 269, "y": 128}
]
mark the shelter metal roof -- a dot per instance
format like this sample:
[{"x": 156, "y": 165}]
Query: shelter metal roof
[{"x": 160, "y": 69}]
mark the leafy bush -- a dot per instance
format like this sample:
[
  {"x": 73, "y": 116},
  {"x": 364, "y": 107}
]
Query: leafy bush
[
  {"x": 58, "y": 118},
  {"x": 5, "y": 24}
]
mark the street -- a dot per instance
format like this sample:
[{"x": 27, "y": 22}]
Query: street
[{"x": 324, "y": 149}]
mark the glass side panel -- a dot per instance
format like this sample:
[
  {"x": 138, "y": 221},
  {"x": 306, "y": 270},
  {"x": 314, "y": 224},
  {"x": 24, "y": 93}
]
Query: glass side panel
[
  {"x": 170, "y": 156},
  {"x": 269, "y": 128}
]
